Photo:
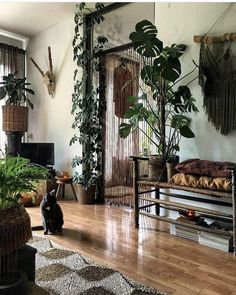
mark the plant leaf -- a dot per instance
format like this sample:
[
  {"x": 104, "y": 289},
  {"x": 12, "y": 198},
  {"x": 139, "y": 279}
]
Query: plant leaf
[
  {"x": 144, "y": 39},
  {"x": 124, "y": 129},
  {"x": 186, "y": 132}
]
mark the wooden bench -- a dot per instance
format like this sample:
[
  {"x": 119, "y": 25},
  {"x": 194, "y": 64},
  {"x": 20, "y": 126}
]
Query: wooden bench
[{"x": 218, "y": 198}]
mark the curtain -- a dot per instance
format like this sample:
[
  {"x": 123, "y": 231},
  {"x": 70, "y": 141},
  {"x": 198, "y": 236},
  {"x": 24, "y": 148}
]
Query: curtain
[
  {"x": 12, "y": 59},
  {"x": 118, "y": 168}
]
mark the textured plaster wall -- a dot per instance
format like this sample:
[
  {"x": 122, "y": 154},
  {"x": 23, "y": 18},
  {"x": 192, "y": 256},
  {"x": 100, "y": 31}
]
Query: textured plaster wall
[
  {"x": 50, "y": 121},
  {"x": 119, "y": 23},
  {"x": 178, "y": 23}
]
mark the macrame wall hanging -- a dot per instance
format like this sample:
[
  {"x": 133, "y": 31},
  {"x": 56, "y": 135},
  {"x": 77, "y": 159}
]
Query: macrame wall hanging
[{"x": 217, "y": 77}]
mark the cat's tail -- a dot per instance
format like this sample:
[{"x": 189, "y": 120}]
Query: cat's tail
[{"x": 38, "y": 227}]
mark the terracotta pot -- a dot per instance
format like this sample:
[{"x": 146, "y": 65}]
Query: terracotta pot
[
  {"x": 86, "y": 196},
  {"x": 14, "y": 118}
]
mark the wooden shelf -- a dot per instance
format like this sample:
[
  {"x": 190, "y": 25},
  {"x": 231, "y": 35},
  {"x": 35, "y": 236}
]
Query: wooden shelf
[{"x": 142, "y": 185}]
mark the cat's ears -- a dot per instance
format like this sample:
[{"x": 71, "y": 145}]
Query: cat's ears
[{"x": 52, "y": 192}]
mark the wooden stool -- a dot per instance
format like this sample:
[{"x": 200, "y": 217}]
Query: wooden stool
[{"x": 61, "y": 186}]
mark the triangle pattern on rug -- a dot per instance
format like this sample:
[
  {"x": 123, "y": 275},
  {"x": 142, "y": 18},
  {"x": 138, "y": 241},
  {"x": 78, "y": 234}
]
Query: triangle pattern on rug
[{"x": 64, "y": 272}]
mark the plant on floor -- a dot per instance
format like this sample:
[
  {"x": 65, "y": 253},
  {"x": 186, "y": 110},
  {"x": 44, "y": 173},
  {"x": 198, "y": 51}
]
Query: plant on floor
[
  {"x": 87, "y": 109},
  {"x": 17, "y": 175},
  {"x": 165, "y": 114}
]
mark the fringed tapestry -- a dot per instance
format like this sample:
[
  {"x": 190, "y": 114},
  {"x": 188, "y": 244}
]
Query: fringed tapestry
[{"x": 217, "y": 77}]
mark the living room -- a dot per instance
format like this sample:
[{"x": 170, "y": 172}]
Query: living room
[{"x": 112, "y": 228}]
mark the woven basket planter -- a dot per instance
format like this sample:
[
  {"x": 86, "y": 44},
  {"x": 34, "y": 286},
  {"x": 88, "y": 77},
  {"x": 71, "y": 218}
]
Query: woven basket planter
[
  {"x": 86, "y": 196},
  {"x": 14, "y": 118},
  {"x": 157, "y": 168},
  {"x": 15, "y": 229}
]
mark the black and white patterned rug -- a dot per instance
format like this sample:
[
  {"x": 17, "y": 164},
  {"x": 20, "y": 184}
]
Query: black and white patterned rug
[{"x": 62, "y": 271}]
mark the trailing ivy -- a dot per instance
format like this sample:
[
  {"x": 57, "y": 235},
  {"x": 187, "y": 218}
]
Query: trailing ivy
[{"x": 86, "y": 107}]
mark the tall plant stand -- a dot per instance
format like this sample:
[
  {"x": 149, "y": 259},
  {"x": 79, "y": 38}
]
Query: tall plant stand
[{"x": 14, "y": 142}]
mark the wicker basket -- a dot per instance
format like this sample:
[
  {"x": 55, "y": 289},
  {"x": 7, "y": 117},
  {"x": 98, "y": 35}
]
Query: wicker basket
[
  {"x": 15, "y": 229},
  {"x": 157, "y": 168},
  {"x": 14, "y": 118}
]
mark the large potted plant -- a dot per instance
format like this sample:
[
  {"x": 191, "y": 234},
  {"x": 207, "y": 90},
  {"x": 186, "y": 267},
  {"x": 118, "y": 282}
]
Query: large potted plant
[
  {"x": 17, "y": 175},
  {"x": 15, "y": 111},
  {"x": 165, "y": 112},
  {"x": 86, "y": 106}
]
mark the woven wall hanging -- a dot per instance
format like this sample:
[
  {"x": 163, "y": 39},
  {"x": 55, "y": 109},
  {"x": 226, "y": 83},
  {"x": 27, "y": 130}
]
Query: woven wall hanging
[{"x": 217, "y": 77}]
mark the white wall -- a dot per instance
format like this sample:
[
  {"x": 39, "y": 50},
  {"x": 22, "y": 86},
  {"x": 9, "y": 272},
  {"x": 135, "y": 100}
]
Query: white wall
[
  {"x": 51, "y": 119},
  {"x": 178, "y": 23}
]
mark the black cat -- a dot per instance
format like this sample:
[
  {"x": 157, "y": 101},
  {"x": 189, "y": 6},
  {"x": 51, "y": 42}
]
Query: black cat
[{"x": 51, "y": 214}]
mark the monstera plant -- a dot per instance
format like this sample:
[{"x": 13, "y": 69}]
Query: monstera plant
[{"x": 164, "y": 111}]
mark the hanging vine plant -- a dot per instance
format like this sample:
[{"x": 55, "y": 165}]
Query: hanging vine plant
[{"x": 86, "y": 107}]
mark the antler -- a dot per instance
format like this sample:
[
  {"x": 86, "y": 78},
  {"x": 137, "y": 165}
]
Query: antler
[
  {"x": 50, "y": 59},
  {"x": 41, "y": 72}
]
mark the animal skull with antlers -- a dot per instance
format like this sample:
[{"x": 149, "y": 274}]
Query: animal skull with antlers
[{"x": 48, "y": 77}]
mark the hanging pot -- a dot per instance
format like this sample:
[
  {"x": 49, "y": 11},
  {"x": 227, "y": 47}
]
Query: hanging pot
[
  {"x": 157, "y": 168},
  {"x": 14, "y": 118}
]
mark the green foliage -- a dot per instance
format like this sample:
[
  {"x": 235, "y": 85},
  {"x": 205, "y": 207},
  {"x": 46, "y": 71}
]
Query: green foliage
[
  {"x": 87, "y": 108},
  {"x": 17, "y": 175},
  {"x": 166, "y": 119},
  {"x": 15, "y": 90}
]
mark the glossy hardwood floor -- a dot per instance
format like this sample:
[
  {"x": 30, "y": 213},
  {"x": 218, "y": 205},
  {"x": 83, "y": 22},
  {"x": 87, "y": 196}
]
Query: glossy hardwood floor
[{"x": 149, "y": 255}]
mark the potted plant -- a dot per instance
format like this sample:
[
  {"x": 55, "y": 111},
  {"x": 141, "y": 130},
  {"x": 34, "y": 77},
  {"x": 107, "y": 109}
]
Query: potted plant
[
  {"x": 17, "y": 175},
  {"x": 86, "y": 106},
  {"x": 165, "y": 112},
  {"x": 15, "y": 113}
]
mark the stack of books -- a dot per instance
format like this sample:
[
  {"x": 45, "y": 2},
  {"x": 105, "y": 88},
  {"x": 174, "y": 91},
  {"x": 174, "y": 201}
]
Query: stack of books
[
  {"x": 184, "y": 232},
  {"x": 223, "y": 243}
]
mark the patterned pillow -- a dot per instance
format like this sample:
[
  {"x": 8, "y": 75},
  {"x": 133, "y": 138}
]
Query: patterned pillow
[
  {"x": 212, "y": 183},
  {"x": 205, "y": 168}
]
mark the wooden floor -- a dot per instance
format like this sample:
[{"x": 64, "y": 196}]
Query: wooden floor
[{"x": 149, "y": 255}]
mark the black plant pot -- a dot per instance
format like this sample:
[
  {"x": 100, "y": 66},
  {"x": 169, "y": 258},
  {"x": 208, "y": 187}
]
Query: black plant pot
[{"x": 18, "y": 286}]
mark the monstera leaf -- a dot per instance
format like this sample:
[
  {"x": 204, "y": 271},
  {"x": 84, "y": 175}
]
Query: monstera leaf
[
  {"x": 181, "y": 123},
  {"x": 144, "y": 39},
  {"x": 172, "y": 69},
  {"x": 150, "y": 75}
]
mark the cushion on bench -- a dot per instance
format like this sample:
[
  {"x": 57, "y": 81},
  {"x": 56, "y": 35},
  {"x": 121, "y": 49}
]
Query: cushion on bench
[
  {"x": 206, "y": 182},
  {"x": 205, "y": 168}
]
